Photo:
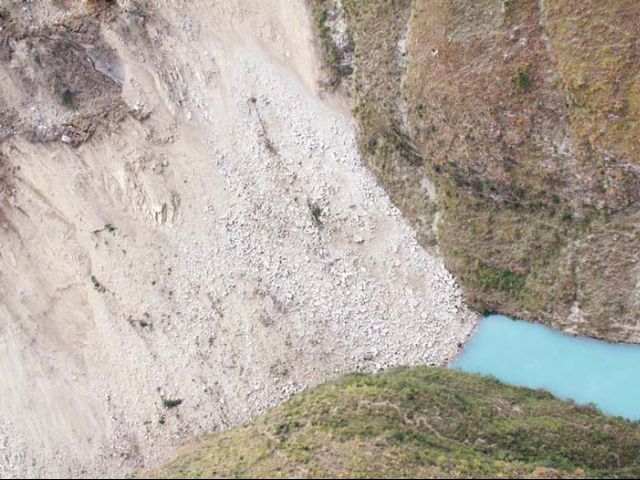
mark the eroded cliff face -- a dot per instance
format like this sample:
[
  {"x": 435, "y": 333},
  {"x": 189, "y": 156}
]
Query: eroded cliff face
[{"x": 524, "y": 116}]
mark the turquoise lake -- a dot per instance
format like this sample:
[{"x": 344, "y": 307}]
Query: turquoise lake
[{"x": 535, "y": 356}]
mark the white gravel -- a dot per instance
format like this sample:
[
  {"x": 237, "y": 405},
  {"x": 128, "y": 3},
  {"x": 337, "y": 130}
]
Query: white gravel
[{"x": 253, "y": 255}]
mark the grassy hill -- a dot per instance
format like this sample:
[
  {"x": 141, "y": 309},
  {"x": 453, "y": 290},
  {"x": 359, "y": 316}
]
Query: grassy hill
[{"x": 418, "y": 422}]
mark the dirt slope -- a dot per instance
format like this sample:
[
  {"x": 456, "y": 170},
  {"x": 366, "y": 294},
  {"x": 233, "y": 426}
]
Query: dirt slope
[{"x": 187, "y": 233}]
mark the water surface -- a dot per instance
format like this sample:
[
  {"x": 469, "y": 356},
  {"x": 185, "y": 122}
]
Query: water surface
[{"x": 535, "y": 356}]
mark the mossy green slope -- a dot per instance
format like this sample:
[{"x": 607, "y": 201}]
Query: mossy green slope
[{"x": 418, "y": 422}]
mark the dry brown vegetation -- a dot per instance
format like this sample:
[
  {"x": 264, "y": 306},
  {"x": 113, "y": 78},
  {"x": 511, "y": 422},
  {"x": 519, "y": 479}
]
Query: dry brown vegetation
[{"x": 526, "y": 116}]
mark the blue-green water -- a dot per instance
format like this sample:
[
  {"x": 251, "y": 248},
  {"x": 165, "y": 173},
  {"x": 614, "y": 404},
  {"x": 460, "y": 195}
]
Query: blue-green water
[{"x": 581, "y": 369}]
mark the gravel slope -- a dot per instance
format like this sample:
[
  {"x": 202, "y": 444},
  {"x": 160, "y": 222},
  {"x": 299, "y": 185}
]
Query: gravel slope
[{"x": 227, "y": 251}]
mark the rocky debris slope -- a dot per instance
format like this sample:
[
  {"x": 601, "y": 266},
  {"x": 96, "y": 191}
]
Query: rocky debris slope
[
  {"x": 211, "y": 246},
  {"x": 59, "y": 79}
]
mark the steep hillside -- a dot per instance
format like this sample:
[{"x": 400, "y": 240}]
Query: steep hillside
[
  {"x": 187, "y": 232},
  {"x": 418, "y": 423},
  {"x": 508, "y": 132}
]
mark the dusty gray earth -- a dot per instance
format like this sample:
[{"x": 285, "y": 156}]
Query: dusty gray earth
[{"x": 222, "y": 245}]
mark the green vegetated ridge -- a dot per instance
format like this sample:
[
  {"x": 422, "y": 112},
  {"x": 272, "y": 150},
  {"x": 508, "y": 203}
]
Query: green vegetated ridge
[
  {"x": 418, "y": 422},
  {"x": 525, "y": 117}
]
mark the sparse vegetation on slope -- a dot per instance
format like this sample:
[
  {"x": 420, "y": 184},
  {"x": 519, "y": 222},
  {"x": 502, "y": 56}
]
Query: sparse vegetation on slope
[
  {"x": 59, "y": 63},
  {"x": 378, "y": 31},
  {"x": 418, "y": 422},
  {"x": 524, "y": 116}
]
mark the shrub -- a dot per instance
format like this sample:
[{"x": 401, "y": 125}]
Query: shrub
[
  {"x": 66, "y": 98},
  {"x": 523, "y": 80},
  {"x": 169, "y": 403}
]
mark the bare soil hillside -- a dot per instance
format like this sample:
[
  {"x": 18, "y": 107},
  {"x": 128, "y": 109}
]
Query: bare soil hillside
[{"x": 187, "y": 232}]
